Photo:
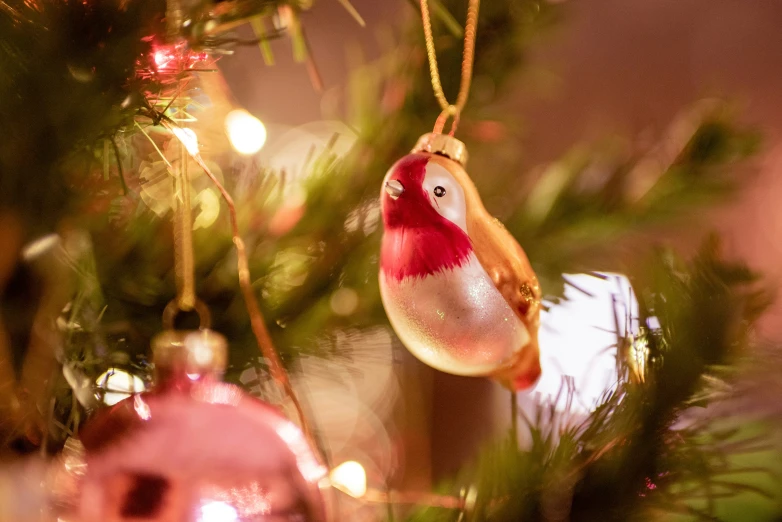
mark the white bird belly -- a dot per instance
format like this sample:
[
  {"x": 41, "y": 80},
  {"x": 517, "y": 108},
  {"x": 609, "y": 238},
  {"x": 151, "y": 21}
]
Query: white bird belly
[{"x": 455, "y": 321}]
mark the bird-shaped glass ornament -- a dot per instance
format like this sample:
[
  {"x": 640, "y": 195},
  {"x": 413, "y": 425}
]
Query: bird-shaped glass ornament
[{"x": 457, "y": 288}]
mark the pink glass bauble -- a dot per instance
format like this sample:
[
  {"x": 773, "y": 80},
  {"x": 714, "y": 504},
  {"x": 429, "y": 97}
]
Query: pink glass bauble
[
  {"x": 457, "y": 287},
  {"x": 194, "y": 449}
]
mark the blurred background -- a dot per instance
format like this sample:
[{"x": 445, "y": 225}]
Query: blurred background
[{"x": 609, "y": 68}]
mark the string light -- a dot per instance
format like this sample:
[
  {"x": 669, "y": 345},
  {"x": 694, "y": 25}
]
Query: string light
[
  {"x": 246, "y": 133},
  {"x": 163, "y": 58},
  {"x": 188, "y": 139},
  {"x": 350, "y": 477},
  {"x": 171, "y": 59}
]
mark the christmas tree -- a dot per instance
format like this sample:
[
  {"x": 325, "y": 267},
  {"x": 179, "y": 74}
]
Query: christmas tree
[{"x": 135, "y": 199}]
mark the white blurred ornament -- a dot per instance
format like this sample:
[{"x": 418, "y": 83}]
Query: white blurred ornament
[
  {"x": 115, "y": 385},
  {"x": 578, "y": 343}
]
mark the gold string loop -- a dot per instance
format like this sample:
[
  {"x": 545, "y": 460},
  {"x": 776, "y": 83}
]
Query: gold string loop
[
  {"x": 173, "y": 308},
  {"x": 468, "y": 56},
  {"x": 448, "y": 112}
]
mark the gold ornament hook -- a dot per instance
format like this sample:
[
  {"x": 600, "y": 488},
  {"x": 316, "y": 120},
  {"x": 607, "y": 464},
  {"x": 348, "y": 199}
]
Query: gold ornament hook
[
  {"x": 450, "y": 111},
  {"x": 470, "y": 30},
  {"x": 172, "y": 310}
]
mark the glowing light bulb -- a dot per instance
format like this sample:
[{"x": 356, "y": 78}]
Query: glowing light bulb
[
  {"x": 118, "y": 384},
  {"x": 216, "y": 511},
  {"x": 246, "y": 133},
  {"x": 188, "y": 139},
  {"x": 350, "y": 477},
  {"x": 162, "y": 58}
]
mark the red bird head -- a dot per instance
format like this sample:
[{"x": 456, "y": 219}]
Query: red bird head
[{"x": 425, "y": 219}]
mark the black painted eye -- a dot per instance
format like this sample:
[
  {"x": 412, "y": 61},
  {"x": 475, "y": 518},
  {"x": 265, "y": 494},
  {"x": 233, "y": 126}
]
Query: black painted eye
[{"x": 439, "y": 191}]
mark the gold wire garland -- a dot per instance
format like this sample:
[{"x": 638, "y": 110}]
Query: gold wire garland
[{"x": 470, "y": 30}]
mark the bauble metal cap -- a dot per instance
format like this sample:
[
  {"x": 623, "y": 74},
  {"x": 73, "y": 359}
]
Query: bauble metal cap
[
  {"x": 444, "y": 145},
  {"x": 197, "y": 353}
]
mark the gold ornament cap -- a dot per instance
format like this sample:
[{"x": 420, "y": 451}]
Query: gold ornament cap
[
  {"x": 196, "y": 353},
  {"x": 444, "y": 145}
]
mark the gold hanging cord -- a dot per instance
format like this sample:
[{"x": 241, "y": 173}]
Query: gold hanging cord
[
  {"x": 184, "y": 264},
  {"x": 451, "y": 110},
  {"x": 257, "y": 323}
]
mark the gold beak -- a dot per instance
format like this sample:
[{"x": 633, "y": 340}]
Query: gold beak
[{"x": 394, "y": 188}]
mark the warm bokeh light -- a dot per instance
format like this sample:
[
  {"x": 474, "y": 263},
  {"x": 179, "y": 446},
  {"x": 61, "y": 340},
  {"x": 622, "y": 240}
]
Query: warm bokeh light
[
  {"x": 188, "y": 138},
  {"x": 118, "y": 384},
  {"x": 218, "y": 512},
  {"x": 344, "y": 301},
  {"x": 350, "y": 477},
  {"x": 173, "y": 58},
  {"x": 252, "y": 501},
  {"x": 246, "y": 133},
  {"x": 40, "y": 246},
  {"x": 142, "y": 408},
  {"x": 201, "y": 351},
  {"x": 163, "y": 58},
  {"x": 309, "y": 466}
]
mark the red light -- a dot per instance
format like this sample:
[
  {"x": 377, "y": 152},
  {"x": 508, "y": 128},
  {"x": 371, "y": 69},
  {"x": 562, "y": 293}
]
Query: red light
[
  {"x": 176, "y": 57},
  {"x": 163, "y": 58}
]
